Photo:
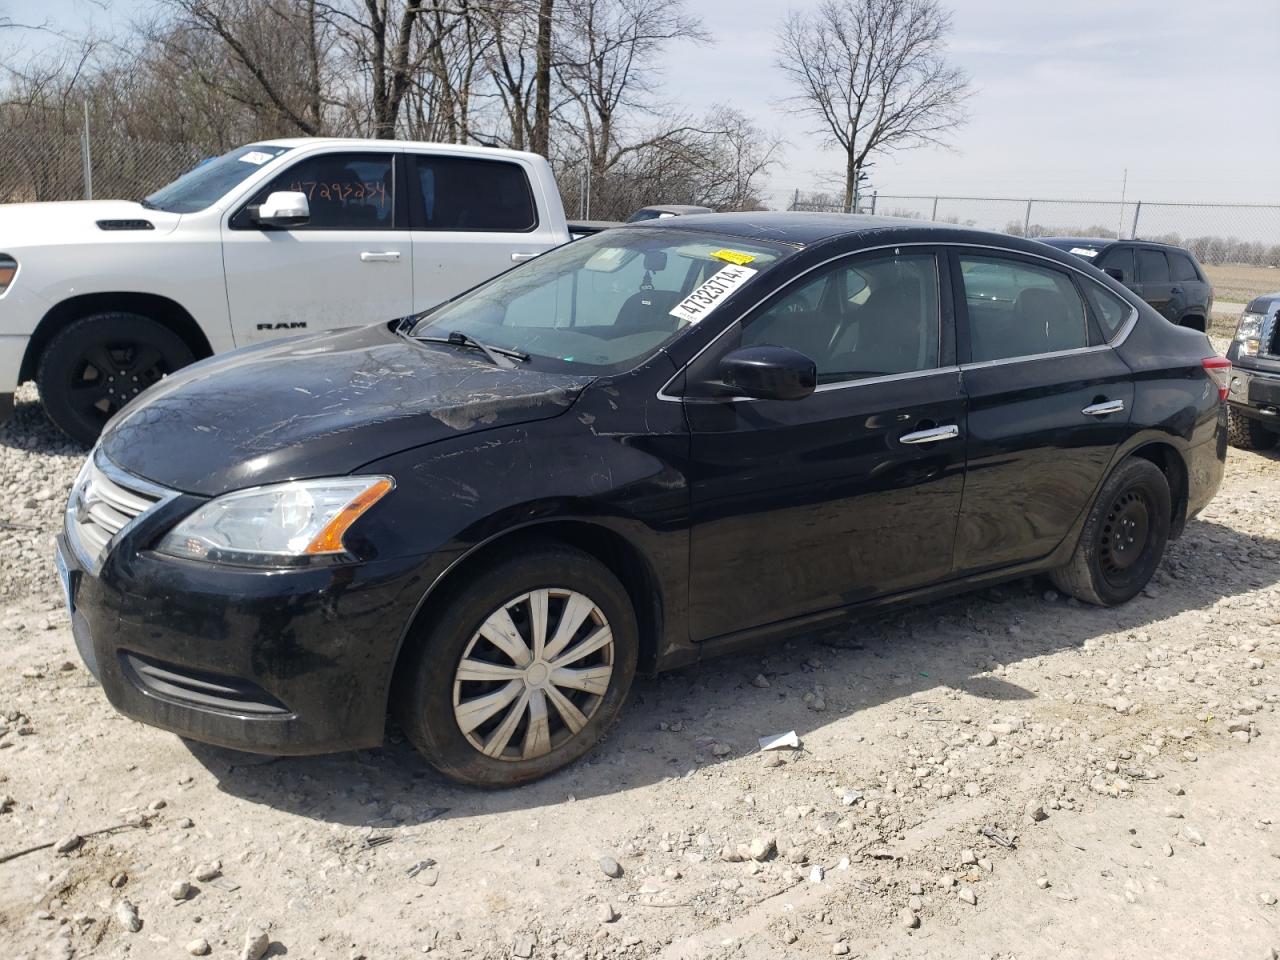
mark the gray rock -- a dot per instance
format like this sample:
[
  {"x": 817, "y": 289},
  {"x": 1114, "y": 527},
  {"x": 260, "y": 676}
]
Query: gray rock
[
  {"x": 205, "y": 872},
  {"x": 840, "y": 948},
  {"x": 908, "y": 919},
  {"x": 762, "y": 848},
  {"x": 256, "y": 942},
  {"x": 199, "y": 947},
  {"x": 127, "y": 916},
  {"x": 1035, "y": 812},
  {"x": 67, "y": 844},
  {"x": 606, "y": 913},
  {"x": 761, "y": 681},
  {"x": 180, "y": 890},
  {"x": 966, "y": 895},
  {"x": 1192, "y": 835},
  {"x": 523, "y": 947},
  {"x": 610, "y": 867}
]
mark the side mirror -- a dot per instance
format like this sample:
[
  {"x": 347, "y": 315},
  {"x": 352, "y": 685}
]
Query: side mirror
[
  {"x": 1115, "y": 273},
  {"x": 284, "y": 208},
  {"x": 769, "y": 373}
]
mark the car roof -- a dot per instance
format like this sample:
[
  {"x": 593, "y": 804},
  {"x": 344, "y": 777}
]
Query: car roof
[
  {"x": 358, "y": 142},
  {"x": 1100, "y": 242}
]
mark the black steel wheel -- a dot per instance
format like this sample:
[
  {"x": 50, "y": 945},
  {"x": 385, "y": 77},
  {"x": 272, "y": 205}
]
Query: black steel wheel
[
  {"x": 1123, "y": 539},
  {"x": 97, "y": 364}
]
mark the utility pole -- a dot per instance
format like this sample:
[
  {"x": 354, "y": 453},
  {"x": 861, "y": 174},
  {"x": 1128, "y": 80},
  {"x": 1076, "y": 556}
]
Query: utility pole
[
  {"x": 1124, "y": 185},
  {"x": 86, "y": 155}
]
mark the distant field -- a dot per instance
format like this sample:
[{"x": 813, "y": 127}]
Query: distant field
[{"x": 1239, "y": 282}]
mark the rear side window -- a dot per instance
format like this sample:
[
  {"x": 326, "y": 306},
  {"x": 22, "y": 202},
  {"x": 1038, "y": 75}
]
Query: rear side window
[
  {"x": 1120, "y": 259},
  {"x": 346, "y": 191},
  {"x": 1111, "y": 310},
  {"x": 1152, "y": 266},
  {"x": 470, "y": 194},
  {"x": 1017, "y": 309},
  {"x": 1182, "y": 267}
]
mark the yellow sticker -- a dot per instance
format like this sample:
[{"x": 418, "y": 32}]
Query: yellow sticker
[{"x": 733, "y": 256}]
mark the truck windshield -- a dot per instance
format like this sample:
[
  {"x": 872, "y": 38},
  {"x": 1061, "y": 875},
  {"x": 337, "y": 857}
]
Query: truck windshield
[
  {"x": 607, "y": 302},
  {"x": 209, "y": 180}
]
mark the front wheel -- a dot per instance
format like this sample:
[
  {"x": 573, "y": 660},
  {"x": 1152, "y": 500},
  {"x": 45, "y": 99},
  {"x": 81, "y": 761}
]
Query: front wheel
[
  {"x": 1123, "y": 539},
  {"x": 1249, "y": 433},
  {"x": 97, "y": 364},
  {"x": 522, "y": 671}
]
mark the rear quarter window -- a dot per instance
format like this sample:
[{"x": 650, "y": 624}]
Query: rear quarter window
[
  {"x": 1110, "y": 310},
  {"x": 1182, "y": 267}
]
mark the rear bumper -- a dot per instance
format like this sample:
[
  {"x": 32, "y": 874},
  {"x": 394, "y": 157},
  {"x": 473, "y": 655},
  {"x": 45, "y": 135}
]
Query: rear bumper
[{"x": 280, "y": 662}]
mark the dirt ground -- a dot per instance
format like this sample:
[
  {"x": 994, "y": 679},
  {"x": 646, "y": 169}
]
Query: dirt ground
[
  {"x": 1122, "y": 763},
  {"x": 1241, "y": 282}
]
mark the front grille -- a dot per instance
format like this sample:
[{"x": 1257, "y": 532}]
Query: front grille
[
  {"x": 105, "y": 502},
  {"x": 1271, "y": 335},
  {"x": 198, "y": 688}
]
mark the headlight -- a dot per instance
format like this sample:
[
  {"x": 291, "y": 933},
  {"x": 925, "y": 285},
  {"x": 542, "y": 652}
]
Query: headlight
[
  {"x": 1249, "y": 333},
  {"x": 281, "y": 525},
  {"x": 8, "y": 270}
]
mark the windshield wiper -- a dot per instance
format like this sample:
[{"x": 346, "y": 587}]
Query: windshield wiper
[{"x": 500, "y": 356}]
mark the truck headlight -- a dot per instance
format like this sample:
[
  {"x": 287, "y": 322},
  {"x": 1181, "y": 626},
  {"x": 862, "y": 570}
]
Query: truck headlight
[
  {"x": 1249, "y": 333},
  {"x": 284, "y": 524},
  {"x": 8, "y": 270}
]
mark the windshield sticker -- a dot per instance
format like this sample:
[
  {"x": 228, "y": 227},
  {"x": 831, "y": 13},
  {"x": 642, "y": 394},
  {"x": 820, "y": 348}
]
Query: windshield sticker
[
  {"x": 707, "y": 297},
  {"x": 256, "y": 157},
  {"x": 1084, "y": 252},
  {"x": 733, "y": 256}
]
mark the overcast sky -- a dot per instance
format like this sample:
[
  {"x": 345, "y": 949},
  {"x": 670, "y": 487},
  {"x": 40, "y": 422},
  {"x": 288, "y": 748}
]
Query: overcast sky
[{"x": 1068, "y": 95}]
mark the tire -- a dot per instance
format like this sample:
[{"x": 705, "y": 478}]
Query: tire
[
  {"x": 1123, "y": 539},
  {"x": 97, "y": 364},
  {"x": 429, "y": 690},
  {"x": 1247, "y": 433}
]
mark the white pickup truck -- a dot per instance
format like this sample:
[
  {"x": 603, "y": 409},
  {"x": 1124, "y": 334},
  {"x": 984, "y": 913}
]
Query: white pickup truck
[{"x": 99, "y": 299}]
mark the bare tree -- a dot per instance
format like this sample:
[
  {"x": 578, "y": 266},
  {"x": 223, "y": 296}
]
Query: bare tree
[{"x": 874, "y": 74}]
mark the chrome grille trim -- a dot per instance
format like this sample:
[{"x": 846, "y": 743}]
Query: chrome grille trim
[{"x": 105, "y": 502}]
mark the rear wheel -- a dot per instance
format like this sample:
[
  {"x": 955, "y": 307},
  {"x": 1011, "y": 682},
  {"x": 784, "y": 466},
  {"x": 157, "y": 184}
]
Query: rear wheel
[
  {"x": 97, "y": 364},
  {"x": 522, "y": 671},
  {"x": 1123, "y": 539},
  {"x": 1249, "y": 433}
]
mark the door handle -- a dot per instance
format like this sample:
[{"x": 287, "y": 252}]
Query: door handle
[
  {"x": 932, "y": 435},
  {"x": 384, "y": 256},
  {"x": 520, "y": 257},
  {"x": 1104, "y": 408}
]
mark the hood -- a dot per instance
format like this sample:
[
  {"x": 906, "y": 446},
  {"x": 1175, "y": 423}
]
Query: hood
[
  {"x": 71, "y": 221},
  {"x": 319, "y": 405}
]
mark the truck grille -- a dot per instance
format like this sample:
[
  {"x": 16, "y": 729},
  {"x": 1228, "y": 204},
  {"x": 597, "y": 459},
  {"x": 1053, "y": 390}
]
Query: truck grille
[
  {"x": 1271, "y": 335},
  {"x": 104, "y": 503}
]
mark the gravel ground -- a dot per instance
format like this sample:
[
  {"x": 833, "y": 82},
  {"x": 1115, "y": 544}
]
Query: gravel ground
[{"x": 1122, "y": 764}]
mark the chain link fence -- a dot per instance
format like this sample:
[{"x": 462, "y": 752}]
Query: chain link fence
[
  {"x": 55, "y": 165},
  {"x": 1216, "y": 233}
]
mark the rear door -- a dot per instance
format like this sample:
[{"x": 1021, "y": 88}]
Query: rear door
[
  {"x": 1048, "y": 403},
  {"x": 1190, "y": 292},
  {"x": 1157, "y": 282},
  {"x": 803, "y": 506},
  {"x": 471, "y": 218},
  {"x": 349, "y": 265}
]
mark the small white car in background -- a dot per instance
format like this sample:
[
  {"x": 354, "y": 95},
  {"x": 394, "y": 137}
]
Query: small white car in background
[{"x": 99, "y": 299}]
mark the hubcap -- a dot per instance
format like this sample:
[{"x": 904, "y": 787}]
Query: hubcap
[
  {"x": 1125, "y": 533},
  {"x": 533, "y": 675},
  {"x": 109, "y": 375}
]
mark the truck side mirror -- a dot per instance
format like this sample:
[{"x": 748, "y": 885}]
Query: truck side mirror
[{"x": 284, "y": 208}]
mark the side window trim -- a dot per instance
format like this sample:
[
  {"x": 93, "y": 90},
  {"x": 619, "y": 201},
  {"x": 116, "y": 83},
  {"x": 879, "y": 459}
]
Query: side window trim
[
  {"x": 238, "y": 219},
  {"x": 965, "y": 353}
]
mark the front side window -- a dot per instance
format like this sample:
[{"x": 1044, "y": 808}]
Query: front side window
[
  {"x": 211, "y": 180},
  {"x": 1152, "y": 266},
  {"x": 346, "y": 191},
  {"x": 1120, "y": 259},
  {"x": 869, "y": 317},
  {"x": 604, "y": 303},
  {"x": 470, "y": 194},
  {"x": 1017, "y": 309}
]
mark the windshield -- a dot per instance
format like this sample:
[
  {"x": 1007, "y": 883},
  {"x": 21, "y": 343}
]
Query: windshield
[
  {"x": 210, "y": 180},
  {"x": 605, "y": 303}
]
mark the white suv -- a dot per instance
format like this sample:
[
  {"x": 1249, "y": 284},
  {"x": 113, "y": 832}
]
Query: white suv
[{"x": 100, "y": 299}]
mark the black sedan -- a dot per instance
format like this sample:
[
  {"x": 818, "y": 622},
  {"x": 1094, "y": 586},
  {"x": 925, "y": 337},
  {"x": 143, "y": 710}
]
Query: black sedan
[{"x": 651, "y": 446}]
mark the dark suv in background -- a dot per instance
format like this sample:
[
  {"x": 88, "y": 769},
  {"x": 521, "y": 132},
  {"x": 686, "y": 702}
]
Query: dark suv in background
[
  {"x": 1167, "y": 277},
  {"x": 1253, "y": 397}
]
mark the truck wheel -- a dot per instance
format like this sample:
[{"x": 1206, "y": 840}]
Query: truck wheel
[
  {"x": 521, "y": 672},
  {"x": 1123, "y": 539},
  {"x": 97, "y": 364},
  {"x": 1249, "y": 433}
]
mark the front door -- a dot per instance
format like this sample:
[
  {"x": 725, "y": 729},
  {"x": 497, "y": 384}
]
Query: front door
[
  {"x": 1048, "y": 403},
  {"x": 472, "y": 218},
  {"x": 349, "y": 265},
  {"x": 851, "y": 493}
]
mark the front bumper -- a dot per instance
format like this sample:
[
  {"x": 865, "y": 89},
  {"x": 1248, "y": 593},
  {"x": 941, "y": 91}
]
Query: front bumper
[
  {"x": 281, "y": 662},
  {"x": 1255, "y": 393}
]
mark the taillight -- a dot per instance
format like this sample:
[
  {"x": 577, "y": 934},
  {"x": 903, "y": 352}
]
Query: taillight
[{"x": 1219, "y": 370}]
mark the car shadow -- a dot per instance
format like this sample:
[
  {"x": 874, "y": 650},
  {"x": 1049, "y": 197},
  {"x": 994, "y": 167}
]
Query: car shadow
[
  {"x": 28, "y": 429},
  {"x": 680, "y": 721}
]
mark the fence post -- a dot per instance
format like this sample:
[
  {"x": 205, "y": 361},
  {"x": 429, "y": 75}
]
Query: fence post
[
  {"x": 934, "y": 215},
  {"x": 874, "y": 194},
  {"x": 86, "y": 156},
  {"x": 1137, "y": 209},
  {"x": 795, "y": 201},
  {"x": 1026, "y": 221}
]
